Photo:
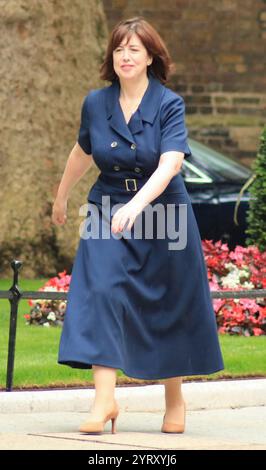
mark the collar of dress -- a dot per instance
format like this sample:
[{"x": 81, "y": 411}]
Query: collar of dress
[{"x": 146, "y": 110}]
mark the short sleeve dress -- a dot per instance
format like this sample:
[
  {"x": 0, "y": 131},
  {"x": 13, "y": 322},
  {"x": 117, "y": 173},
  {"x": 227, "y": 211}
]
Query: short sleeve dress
[{"x": 138, "y": 301}]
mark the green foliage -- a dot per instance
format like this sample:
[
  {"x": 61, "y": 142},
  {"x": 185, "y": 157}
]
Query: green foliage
[{"x": 256, "y": 215}]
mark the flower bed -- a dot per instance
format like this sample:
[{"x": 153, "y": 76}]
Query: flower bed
[
  {"x": 46, "y": 312},
  {"x": 240, "y": 269}
]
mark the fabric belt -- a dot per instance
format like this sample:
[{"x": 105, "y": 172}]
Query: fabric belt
[{"x": 128, "y": 184}]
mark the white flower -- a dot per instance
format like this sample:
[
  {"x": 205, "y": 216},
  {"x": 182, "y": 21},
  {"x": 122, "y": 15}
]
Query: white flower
[
  {"x": 51, "y": 316},
  {"x": 229, "y": 266},
  {"x": 243, "y": 273},
  {"x": 231, "y": 280},
  {"x": 248, "y": 285}
]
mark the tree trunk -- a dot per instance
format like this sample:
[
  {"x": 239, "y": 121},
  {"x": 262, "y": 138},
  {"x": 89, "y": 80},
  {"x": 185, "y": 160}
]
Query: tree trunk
[{"x": 50, "y": 56}]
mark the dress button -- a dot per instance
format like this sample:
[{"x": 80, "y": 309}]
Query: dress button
[
  {"x": 133, "y": 146},
  {"x": 137, "y": 169},
  {"x": 114, "y": 144},
  {"x": 116, "y": 167}
]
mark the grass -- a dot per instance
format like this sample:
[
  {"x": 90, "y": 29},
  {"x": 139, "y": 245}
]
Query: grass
[{"x": 37, "y": 348}]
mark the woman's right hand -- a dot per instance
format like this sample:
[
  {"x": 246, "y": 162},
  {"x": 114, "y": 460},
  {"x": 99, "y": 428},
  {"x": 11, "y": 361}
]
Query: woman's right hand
[{"x": 59, "y": 216}]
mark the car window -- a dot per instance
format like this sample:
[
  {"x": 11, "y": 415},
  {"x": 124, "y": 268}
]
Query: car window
[
  {"x": 215, "y": 163},
  {"x": 192, "y": 174}
]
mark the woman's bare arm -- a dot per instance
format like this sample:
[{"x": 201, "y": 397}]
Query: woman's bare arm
[
  {"x": 169, "y": 165},
  {"x": 77, "y": 165}
]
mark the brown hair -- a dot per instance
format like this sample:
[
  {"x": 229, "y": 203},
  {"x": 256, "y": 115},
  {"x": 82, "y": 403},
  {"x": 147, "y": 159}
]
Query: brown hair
[{"x": 161, "y": 66}]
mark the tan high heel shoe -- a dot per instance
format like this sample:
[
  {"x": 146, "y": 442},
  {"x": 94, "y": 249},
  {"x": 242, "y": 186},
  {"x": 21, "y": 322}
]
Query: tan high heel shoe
[
  {"x": 98, "y": 426},
  {"x": 168, "y": 426}
]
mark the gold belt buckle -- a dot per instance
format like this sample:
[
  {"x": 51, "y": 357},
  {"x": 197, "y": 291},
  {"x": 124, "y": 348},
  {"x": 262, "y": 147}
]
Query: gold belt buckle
[{"x": 135, "y": 184}]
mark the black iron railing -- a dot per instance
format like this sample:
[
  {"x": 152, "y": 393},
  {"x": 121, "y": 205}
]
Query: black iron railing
[{"x": 15, "y": 294}]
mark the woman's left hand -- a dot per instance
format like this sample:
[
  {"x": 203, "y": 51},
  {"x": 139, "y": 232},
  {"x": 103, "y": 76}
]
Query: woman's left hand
[{"x": 128, "y": 212}]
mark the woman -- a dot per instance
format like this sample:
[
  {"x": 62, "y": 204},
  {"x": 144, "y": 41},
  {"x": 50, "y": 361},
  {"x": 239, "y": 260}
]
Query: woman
[{"x": 140, "y": 304}]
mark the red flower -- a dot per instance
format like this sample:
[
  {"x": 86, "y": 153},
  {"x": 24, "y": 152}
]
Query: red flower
[
  {"x": 237, "y": 316},
  {"x": 258, "y": 331}
]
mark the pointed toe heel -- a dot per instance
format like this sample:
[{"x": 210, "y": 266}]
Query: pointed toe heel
[{"x": 97, "y": 427}]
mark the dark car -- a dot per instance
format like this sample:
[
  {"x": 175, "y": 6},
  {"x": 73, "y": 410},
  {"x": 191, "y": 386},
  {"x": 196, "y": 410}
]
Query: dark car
[{"x": 214, "y": 181}]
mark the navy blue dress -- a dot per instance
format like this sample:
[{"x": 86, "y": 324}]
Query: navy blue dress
[{"x": 138, "y": 304}]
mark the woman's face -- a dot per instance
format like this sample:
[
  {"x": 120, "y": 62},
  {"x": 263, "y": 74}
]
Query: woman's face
[{"x": 131, "y": 59}]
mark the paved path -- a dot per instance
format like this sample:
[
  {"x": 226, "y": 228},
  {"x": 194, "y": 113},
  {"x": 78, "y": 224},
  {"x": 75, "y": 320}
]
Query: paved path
[
  {"x": 243, "y": 428},
  {"x": 220, "y": 415}
]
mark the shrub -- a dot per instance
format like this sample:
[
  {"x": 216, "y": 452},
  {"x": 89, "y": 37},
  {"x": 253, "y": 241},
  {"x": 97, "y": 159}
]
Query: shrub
[{"x": 256, "y": 214}]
